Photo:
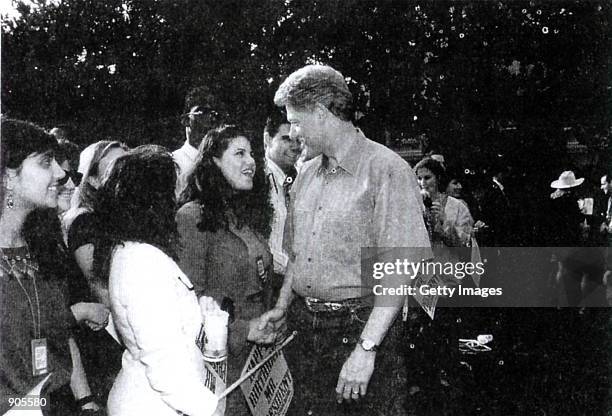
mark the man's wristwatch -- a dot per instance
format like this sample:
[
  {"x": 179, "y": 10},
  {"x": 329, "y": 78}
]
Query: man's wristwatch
[{"x": 368, "y": 345}]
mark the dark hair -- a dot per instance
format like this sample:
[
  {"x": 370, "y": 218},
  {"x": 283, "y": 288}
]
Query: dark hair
[
  {"x": 437, "y": 169},
  {"x": 42, "y": 232},
  {"x": 456, "y": 173},
  {"x": 201, "y": 100},
  {"x": 207, "y": 185},
  {"x": 274, "y": 121},
  {"x": 136, "y": 203},
  {"x": 67, "y": 150},
  {"x": 200, "y": 96},
  {"x": 20, "y": 139}
]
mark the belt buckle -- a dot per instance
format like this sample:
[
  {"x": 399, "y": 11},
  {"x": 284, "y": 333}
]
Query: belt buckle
[
  {"x": 312, "y": 304},
  {"x": 333, "y": 306},
  {"x": 316, "y": 305}
]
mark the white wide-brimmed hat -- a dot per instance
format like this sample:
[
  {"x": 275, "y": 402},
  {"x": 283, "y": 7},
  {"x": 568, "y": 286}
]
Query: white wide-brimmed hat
[{"x": 566, "y": 180}]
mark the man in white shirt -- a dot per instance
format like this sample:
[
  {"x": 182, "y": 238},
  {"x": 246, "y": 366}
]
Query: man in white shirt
[
  {"x": 199, "y": 118},
  {"x": 282, "y": 151}
]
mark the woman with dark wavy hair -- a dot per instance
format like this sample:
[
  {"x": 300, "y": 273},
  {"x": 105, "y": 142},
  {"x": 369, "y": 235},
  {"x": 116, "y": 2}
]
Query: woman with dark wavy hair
[
  {"x": 224, "y": 227},
  {"x": 154, "y": 306}
]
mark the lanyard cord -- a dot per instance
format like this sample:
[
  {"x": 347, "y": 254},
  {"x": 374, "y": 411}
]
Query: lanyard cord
[{"x": 37, "y": 328}]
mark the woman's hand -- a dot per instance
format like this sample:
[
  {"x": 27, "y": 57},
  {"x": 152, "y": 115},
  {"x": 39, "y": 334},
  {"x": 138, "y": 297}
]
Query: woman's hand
[
  {"x": 479, "y": 225},
  {"x": 436, "y": 210},
  {"x": 94, "y": 315}
]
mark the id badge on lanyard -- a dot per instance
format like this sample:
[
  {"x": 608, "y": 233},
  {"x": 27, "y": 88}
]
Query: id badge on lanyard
[{"x": 40, "y": 362}]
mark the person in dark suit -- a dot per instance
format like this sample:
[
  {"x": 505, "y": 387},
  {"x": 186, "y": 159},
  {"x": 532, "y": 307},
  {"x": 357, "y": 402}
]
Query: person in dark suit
[
  {"x": 601, "y": 230},
  {"x": 497, "y": 210}
]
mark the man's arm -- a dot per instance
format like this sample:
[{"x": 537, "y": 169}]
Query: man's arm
[{"x": 398, "y": 222}]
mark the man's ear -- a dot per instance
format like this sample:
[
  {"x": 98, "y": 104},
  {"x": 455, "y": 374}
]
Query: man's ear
[
  {"x": 321, "y": 111},
  {"x": 185, "y": 120},
  {"x": 267, "y": 139}
]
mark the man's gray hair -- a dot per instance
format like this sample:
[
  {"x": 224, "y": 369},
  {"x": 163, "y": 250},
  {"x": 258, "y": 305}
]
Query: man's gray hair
[{"x": 317, "y": 84}]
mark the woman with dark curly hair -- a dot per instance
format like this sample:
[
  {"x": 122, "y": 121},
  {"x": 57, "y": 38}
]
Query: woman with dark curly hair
[
  {"x": 154, "y": 306},
  {"x": 224, "y": 227}
]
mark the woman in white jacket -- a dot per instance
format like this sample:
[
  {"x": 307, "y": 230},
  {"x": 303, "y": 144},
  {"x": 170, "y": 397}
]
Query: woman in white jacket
[{"x": 154, "y": 307}]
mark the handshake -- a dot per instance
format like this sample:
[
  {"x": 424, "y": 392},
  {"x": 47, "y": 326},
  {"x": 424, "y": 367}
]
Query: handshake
[{"x": 269, "y": 328}]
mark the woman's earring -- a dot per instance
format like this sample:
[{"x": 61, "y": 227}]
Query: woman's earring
[{"x": 10, "y": 202}]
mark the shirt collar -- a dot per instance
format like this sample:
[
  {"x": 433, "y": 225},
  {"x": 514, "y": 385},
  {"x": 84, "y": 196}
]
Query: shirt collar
[
  {"x": 349, "y": 159},
  {"x": 278, "y": 173},
  {"x": 189, "y": 150}
]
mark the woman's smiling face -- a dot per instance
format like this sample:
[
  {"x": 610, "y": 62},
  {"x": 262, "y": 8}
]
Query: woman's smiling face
[
  {"x": 237, "y": 164},
  {"x": 427, "y": 180},
  {"x": 35, "y": 184}
]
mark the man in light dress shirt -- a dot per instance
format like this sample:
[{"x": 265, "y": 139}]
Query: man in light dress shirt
[
  {"x": 355, "y": 193},
  {"x": 199, "y": 118},
  {"x": 282, "y": 151}
]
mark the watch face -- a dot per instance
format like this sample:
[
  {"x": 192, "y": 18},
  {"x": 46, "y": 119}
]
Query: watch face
[{"x": 367, "y": 345}]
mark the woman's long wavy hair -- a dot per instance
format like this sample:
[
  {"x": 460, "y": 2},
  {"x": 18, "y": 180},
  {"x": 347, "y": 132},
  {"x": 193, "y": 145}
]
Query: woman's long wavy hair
[
  {"x": 207, "y": 185},
  {"x": 136, "y": 203}
]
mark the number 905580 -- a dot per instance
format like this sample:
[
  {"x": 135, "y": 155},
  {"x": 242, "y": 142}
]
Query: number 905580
[{"x": 30, "y": 402}]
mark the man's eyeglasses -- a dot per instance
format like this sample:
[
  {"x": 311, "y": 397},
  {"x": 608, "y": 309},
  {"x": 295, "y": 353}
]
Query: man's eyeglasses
[
  {"x": 198, "y": 111},
  {"x": 71, "y": 174}
]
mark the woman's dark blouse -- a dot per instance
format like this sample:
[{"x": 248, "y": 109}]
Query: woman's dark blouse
[
  {"x": 223, "y": 265},
  {"x": 82, "y": 231},
  {"x": 17, "y": 331}
]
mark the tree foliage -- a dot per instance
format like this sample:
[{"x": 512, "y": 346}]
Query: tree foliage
[{"x": 470, "y": 78}]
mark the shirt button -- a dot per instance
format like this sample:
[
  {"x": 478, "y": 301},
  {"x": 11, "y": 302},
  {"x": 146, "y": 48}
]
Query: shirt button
[
  {"x": 313, "y": 233},
  {"x": 320, "y": 208},
  {"x": 345, "y": 340},
  {"x": 309, "y": 259},
  {"x": 333, "y": 170},
  {"x": 308, "y": 287}
]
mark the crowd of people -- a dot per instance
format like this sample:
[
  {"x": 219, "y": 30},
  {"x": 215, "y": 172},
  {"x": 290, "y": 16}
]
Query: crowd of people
[{"x": 130, "y": 239}]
